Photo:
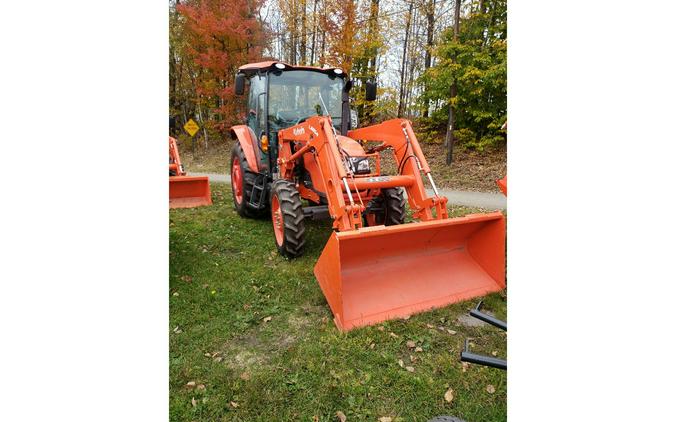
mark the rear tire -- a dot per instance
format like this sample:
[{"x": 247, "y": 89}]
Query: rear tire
[
  {"x": 243, "y": 179},
  {"x": 391, "y": 206},
  {"x": 288, "y": 220}
]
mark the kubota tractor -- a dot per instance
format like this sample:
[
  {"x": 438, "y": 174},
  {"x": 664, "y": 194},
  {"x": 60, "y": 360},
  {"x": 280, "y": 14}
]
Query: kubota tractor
[
  {"x": 300, "y": 156},
  {"x": 185, "y": 191}
]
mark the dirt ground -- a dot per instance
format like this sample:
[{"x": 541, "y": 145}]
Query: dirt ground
[{"x": 470, "y": 170}]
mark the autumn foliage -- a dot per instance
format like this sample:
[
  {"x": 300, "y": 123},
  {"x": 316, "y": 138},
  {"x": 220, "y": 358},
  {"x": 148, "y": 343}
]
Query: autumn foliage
[{"x": 213, "y": 39}]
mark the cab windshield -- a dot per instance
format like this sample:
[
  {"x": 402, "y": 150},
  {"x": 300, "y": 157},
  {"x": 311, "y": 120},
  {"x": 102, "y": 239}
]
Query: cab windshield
[{"x": 294, "y": 96}]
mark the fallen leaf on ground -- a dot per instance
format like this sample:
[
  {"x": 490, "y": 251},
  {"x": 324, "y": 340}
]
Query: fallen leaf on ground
[
  {"x": 372, "y": 345},
  {"x": 494, "y": 353},
  {"x": 407, "y": 317},
  {"x": 186, "y": 278},
  {"x": 490, "y": 389},
  {"x": 410, "y": 344},
  {"x": 234, "y": 404},
  {"x": 175, "y": 293},
  {"x": 400, "y": 363},
  {"x": 419, "y": 349},
  {"x": 315, "y": 418},
  {"x": 449, "y": 395},
  {"x": 412, "y": 358},
  {"x": 452, "y": 332},
  {"x": 218, "y": 359},
  {"x": 245, "y": 376},
  {"x": 410, "y": 369},
  {"x": 194, "y": 402},
  {"x": 381, "y": 328},
  {"x": 341, "y": 416},
  {"x": 191, "y": 384},
  {"x": 207, "y": 354},
  {"x": 465, "y": 366},
  {"x": 430, "y": 326},
  {"x": 201, "y": 387},
  {"x": 267, "y": 319},
  {"x": 385, "y": 419},
  {"x": 393, "y": 335}
]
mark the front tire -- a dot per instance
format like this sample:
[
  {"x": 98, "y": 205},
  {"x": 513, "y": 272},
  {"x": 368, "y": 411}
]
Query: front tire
[
  {"x": 389, "y": 208},
  {"x": 288, "y": 219}
]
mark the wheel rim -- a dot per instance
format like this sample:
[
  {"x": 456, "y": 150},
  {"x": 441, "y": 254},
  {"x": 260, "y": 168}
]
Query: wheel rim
[
  {"x": 237, "y": 181},
  {"x": 277, "y": 221},
  {"x": 371, "y": 220}
]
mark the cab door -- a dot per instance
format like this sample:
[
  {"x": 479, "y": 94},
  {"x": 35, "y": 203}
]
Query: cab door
[{"x": 255, "y": 118}]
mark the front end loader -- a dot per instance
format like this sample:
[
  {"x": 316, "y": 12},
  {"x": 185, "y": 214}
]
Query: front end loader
[
  {"x": 185, "y": 191},
  {"x": 300, "y": 156}
]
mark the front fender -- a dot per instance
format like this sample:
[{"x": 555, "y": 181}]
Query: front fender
[{"x": 246, "y": 138}]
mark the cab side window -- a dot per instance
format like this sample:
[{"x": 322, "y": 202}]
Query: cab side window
[{"x": 256, "y": 105}]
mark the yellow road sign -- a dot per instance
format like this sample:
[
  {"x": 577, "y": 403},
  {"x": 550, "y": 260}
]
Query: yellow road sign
[{"x": 191, "y": 127}]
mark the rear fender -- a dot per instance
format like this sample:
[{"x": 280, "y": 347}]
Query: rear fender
[{"x": 248, "y": 141}]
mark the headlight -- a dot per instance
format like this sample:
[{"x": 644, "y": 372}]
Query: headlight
[{"x": 359, "y": 165}]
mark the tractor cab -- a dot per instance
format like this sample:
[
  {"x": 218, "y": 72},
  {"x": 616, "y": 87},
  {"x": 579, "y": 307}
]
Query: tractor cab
[{"x": 281, "y": 96}]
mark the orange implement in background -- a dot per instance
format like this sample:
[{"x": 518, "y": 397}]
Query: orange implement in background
[
  {"x": 502, "y": 185},
  {"x": 185, "y": 191}
]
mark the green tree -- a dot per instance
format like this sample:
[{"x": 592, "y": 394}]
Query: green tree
[{"x": 476, "y": 61}]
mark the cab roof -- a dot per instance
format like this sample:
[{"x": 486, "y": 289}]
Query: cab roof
[{"x": 252, "y": 68}]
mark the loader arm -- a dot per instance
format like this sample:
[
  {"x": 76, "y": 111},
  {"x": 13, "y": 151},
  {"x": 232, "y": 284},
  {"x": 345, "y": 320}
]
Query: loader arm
[
  {"x": 398, "y": 134},
  {"x": 316, "y": 136}
]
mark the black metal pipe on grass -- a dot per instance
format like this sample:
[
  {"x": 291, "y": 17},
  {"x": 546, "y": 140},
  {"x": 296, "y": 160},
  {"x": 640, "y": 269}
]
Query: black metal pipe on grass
[
  {"x": 476, "y": 313},
  {"x": 482, "y": 360}
]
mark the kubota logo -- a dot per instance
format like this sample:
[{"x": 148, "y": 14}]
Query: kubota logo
[{"x": 299, "y": 131}]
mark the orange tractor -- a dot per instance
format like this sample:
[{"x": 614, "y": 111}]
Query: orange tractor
[
  {"x": 185, "y": 191},
  {"x": 300, "y": 156}
]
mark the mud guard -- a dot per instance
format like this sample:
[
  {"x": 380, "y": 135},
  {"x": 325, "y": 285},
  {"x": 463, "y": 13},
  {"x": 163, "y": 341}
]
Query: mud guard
[{"x": 246, "y": 138}]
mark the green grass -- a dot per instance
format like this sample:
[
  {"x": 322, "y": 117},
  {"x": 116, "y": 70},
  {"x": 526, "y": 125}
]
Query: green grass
[{"x": 226, "y": 277}]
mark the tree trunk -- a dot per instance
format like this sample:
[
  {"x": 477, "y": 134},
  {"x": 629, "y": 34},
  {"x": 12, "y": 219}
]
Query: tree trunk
[
  {"x": 450, "y": 135},
  {"x": 314, "y": 30},
  {"x": 371, "y": 60},
  {"x": 323, "y": 40},
  {"x": 430, "y": 43},
  {"x": 303, "y": 37},
  {"x": 403, "y": 61},
  {"x": 201, "y": 120}
]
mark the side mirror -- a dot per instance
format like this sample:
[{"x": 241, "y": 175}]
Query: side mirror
[
  {"x": 371, "y": 90},
  {"x": 353, "y": 119},
  {"x": 239, "y": 82}
]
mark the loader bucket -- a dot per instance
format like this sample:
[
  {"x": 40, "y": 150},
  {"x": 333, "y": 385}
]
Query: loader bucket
[
  {"x": 379, "y": 273},
  {"x": 189, "y": 191}
]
